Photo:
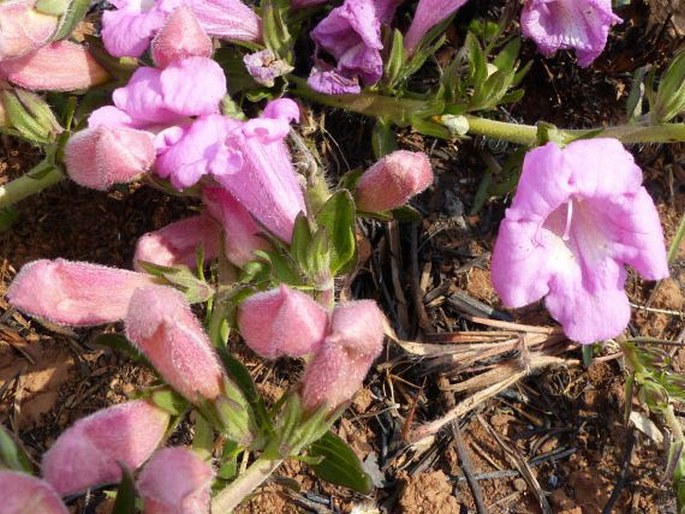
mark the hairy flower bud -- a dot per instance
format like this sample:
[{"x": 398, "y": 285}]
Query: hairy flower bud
[
  {"x": 23, "y": 29},
  {"x": 74, "y": 293},
  {"x": 180, "y": 37},
  {"x": 393, "y": 180},
  {"x": 160, "y": 323},
  {"x": 338, "y": 368},
  {"x": 175, "y": 481},
  {"x": 24, "y": 494},
  {"x": 89, "y": 452},
  {"x": 282, "y": 322}
]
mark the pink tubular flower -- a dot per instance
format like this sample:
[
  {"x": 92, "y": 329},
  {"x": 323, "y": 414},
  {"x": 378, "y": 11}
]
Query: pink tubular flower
[
  {"x": 101, "y": 157},
  {"x": 59, "y": 66},
  {"x": 88, "y": 453},
  {"x": 559, "y": 24},
  {"x": 24, "y": 494},
  {"x": 180, "y": 37},
  {"x": 428, "y": 14},
  {"x": 178, "y": 242},
  {"x": 579, "y": 215},
  {"x": 241, "y": 233},
  {"x": 23, "y": 29},
  {"x": 160, "y": 323},
  {"x": 393, "y": 180},
  {"x": 74, "y": 293},
  {"x": 282, "y": 322},
  {"x": 338, "y": 368},
  {"x": 175, "y": 481},
  {"x": 351, "y": 34}
]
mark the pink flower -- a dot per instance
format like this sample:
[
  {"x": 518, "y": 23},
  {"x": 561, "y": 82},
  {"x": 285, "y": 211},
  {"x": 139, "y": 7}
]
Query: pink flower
[
  {"x": 176, "y": 481},
  {"x": 242, "y": 235},
  {"x": 559, "y": 24},
  {"x": 580, "y": 214},
  {"x": 101, "y": 157},
  {"x": 339, "y": 366},
  {"x": 265, "y": 67},
  {"x": 393, "y": 180},
  {"x": 181, "y": 37},
  {"x": 23, "y": 29},
  {"x": 282, "y": 322},
  {"x": 228, "y": 19},
  {"x": 178, "y": 242},
  {"x": 88, "y": 453},
  {"x": 160, "y": 323},
  {"x": 351, "y": 34},
  {"x": 74, "y": 293},
  {"x": 59, "y": 66},
  {"x": 428, "y": 14},
  {"x": 23, "y": 494}
]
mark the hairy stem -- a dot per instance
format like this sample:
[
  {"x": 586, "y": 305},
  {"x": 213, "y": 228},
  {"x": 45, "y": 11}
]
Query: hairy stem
[
  {"x": 42, "y": 176},
  {"x": 230, "y": 497}
]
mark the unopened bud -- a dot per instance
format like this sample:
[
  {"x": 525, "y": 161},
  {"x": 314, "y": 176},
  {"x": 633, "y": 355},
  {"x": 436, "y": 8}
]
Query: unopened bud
[
  {"x": 175, "y": 481},
  {"x": 160, "y": 323},
  {"x": 30, "y": 115},
  {"x": 393, "y": 180},
  {"x": 23, "y": 493},
  {"x": 282, "y": 322},
  {"x": 180, "y": 37},
  {"x": 23, "y": 29},
  {"x": 89, "y": 452}
]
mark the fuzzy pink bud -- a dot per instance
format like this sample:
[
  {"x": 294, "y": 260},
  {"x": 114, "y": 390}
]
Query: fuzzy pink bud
[
  {"x": 24, "y": 494},
  {"x": 282, "y": 322},
  {"x": 393, "y": 180},
  {"x": 23, "y": 29},
  {"x": 88, "y": 453},
  {"x": 178, "y": 242},
  {"x": 181, "y": 37},
  {"x": 176, "y": 481},
  {"x": 74, "y": 293},
  {"x": 101, "y": 157},
  {"x": 338, "y": 369},
  {"x": 59, "y": 66},
  {"x": 241, "y": 233},
  {"x": 160, "y": 323}
]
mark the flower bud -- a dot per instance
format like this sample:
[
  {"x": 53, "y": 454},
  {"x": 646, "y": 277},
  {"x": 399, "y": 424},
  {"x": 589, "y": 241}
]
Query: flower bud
[
  {"x": 23, "y": 29},
  {"x": 101, "y": 157},
  {"x": 393, "y": 180},
  {"x": 59, "y": 66},
  {"x": 175, "y": 481},
  {"x": 74, "y": 293},
  {"x": 23, "y": 493},
  {"x": 89, "y": 452},
  {"x": 29, "y": 114},
  {"x": 180, "y": 37},
  {"x": 160, "y": 323},
  {"x": 338, "y": 368},
  {"x": 241, "y": 233},
  {"x": 282, "y": 322},
  {"x": 265, "y": 67},
  {"x": 178, "y": 242}
]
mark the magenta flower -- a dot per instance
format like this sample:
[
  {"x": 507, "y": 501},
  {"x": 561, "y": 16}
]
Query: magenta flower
[
  {"x": 580, "y": 214},
  {"x": 560, "y": 24},
  {"x": 393, "y": 180},
  {"x": 176, "y": 481},
  {"x": 89, "y": 452},
  {"x": 351, "y": 34},
  {"x": 428, "y": 14},
  {"x": 23, "y": 494}
]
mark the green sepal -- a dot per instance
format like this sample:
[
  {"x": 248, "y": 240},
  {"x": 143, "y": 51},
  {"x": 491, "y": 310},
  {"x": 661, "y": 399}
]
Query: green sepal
[
  {"x": 166, "y": 399},
  {"x": 203, "y": 437},
  {"x": 180, "y": 277},
  {"x": 12, "y": 455},
  {"x": 339, "y": 464},
  {"x": 125, "y": 502},
  {"x": 337, "y": 216},
  {"x": 30, "y": 115},
  {"x": 283, "y": 269},
  {"x": 228, "y": 468},
  {"x": 75, "y": 12}
]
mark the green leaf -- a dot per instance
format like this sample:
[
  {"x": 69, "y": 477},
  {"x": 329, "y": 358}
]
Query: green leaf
[
  {"x": 275, "y": 28},
  {"x": 337, "y": 215},
  {"x": 299, "y": 245},
  {"x": 670, "y": 97},
  {"x": 478, "y": 68},
  {"x": 383, "y": 139},
  {"x": 180, "y": 277},
  {"x": 119, "y": 344},
  {"x": 12, "y": 455},
  {"x": 340, "y": 465},
  {"x": 74, "y": 14},
  {"x": 407, "y": 213},
  {"x": 229, "y": 460},
  {"x": 167, "y": 399},
  {"x": 8, "y": 217},
  {"x": 318, "y": 260},
  {"x": 506, "y": 58},
  {"x": 125, "y": 502},
  {"x": 203, "y": 438},
  {"x": 396, "y": 60}
]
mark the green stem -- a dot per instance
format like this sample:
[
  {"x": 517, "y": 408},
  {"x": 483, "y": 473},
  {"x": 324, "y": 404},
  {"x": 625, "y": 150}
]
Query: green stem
[
  {"x": 42, "y": 176},
  {"x": 673, "y": 423},
  {"x": 675, "y": 244},
  {"x": 230, "y": 497}
]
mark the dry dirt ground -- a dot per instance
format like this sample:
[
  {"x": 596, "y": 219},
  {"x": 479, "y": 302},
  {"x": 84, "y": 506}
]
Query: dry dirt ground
[{"x": 530, "y": 422}]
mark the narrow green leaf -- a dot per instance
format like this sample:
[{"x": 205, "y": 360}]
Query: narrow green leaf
[
  {"x": 396, "y": 60},
  {"x": 301, "y": 239},
  {"x": 275, "y": 28},
  {"x": 337, "y": 215},
  {"x": 383, "y": 139},
  {"x": 125, "y": 502},
  {"x": 229, "y": 460},
  {"x": 506, "y": 58},
  {"x": 12, "y": 455},
  {"x": 340, "y": 465},
  {"x": 74, "y": 14}
]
